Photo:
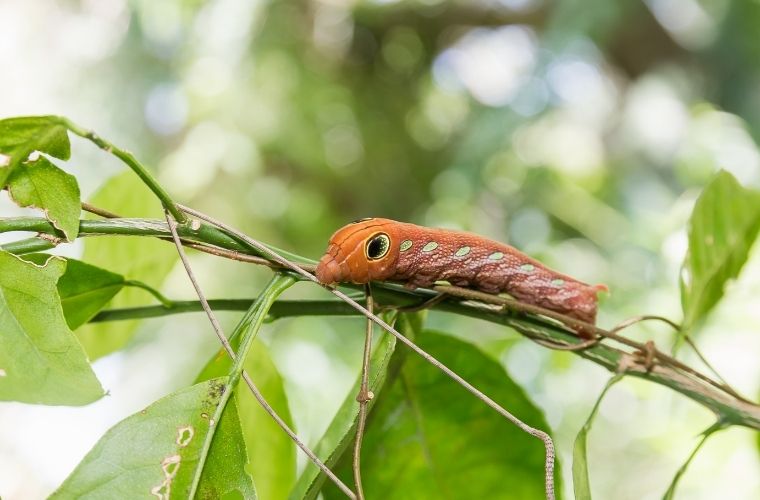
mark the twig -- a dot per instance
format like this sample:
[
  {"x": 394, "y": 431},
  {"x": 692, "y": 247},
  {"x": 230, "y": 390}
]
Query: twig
[
  {"x": 210, "y": 249},
  {"x": 249, "y": 382},
  {"x": 543, "y": 436},
  {"x": 98, "y": 211},
  {"x": 578, "y": 324},
  {"x": 533, "y": 325},
  {"x": 364, "y": 397},
  {"x": 132, "y": 162}
]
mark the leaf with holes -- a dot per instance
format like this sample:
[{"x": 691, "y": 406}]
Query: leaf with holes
[
  {"x": 84, "y": 289},
  {"x": 155, "y": 452},
  {"x": 40, "y": 184},
  {"x": 143, "y": 259},
  {"x": 271, "y": 453},
  {"x": 41, "y": 360},
  {"x": 427, "y": 437},
  {"x": 19, "y": 137},
  {"x": 722, "y": 229}
]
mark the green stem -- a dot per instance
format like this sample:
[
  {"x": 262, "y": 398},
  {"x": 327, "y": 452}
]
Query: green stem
[
  {"x": 166, "y": 303},
  {"x": 581, "y": 483},
  {"x": 671, "y": 491},
  {"x": 730, "y": 409},
  {"x": 132, "y": 162},
  {"x": 29, "y": 245},
  {"x": 205, "y": 233},
  {"x": 248, "y": 328},
  {"x": 281, "y": 309}
]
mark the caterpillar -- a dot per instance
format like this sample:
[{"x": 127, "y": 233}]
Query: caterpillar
[{"x": 377, "y": 249}]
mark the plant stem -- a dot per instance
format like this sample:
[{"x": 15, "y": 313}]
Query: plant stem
[
  {"x": 132, "y": 162},
  {"x": 728, "y": 407}
]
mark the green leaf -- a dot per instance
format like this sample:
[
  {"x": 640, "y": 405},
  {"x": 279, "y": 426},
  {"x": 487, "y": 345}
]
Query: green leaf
[
  {"x": 427, "y": 437},
  {"x": 143, "y": 259},
  {"x": 84, "y": 289},
  {"x": 340, "y": 432},
  {"x": 271, "y": 453},
  {"x": 19, "y": 137},
  {"x": 40, "y": 184},
  {"x": 723, "y": 226},
  {"x": 41, "y": 360},
  {"x": 581, "y": 483},
  {"x": 155, "y": 452}
]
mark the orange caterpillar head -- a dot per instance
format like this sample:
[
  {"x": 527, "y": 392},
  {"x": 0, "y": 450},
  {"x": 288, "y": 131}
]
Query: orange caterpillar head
[{"x": 363, "y": 251}]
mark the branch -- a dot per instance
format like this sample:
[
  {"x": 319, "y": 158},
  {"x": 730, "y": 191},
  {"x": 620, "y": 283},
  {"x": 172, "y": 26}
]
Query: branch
[{"x": 728, "y": 408}]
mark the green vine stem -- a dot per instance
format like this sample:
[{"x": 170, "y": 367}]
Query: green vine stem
[
  {"x": 727, "y": 408},
  {"x": 132, "y": 162}
]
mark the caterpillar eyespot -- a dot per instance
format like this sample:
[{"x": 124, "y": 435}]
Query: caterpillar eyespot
[
  {"x": 377, "y": 246},
  {"x": 420, "y": 256}
]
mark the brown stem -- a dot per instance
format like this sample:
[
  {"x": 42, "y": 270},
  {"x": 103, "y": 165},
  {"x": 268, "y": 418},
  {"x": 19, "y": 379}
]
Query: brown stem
[
  {"x": 231, "y": 353},
  {"x": 364, "y": 397}
]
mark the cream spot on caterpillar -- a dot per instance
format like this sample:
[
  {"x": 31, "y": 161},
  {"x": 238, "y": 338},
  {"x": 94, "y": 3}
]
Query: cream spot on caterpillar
[
  {"x": 558, "y": 282},
  {"x": 405, "y": 245},
  {"x": 430, "y": 247},
  {"x": 462, "y": 251},
  {"x": 496, "y": 256},
  {"x": 527, "y": 267}
]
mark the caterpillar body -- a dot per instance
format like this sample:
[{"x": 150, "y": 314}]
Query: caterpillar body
[{"x": 382, "y": 249}]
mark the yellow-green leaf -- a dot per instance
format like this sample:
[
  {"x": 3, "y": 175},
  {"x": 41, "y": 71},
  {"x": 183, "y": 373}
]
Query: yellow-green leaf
[
  {"x": 271, "y": 453},
  {"x": 21, "y": 136},
  {"x": 143, "y": 259},
  {"x": 40, "y": 184},
  {"x": 156, "y": 452},
  {"x": 722, "y": 229},
  {"x": 41, "y": 360},
  {"x": 84, "y": 289}
]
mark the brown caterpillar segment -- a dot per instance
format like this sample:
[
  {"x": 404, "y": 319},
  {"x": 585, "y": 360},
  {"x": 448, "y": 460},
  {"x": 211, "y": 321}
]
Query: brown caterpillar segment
[{"x": 383, "y": 249}]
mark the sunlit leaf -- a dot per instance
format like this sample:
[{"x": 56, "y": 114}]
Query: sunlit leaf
[
  {"x": 143, "y": 259},
  {"x": 155, "y": 452},
  {"x": 723, "y": 227},
  {"x": 84, "y": 289},
  {"x": 40, "y": 184},
  {"x": 41, "y": 360},
  {"x": 271, "y": 453},
  {"x": 340, "y": 432},
  {"x": 19, "y": 137},
  {"x": 427, "y": 437}
]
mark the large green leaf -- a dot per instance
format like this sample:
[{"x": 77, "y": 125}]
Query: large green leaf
[
  {"x": 84, "y": 289},
  {"x": 340, "y": 432},
  {"x": 40, "y": 184},
  {"x": 155, "y": 452},
  {"x": 19, "y": 137},
  {"x": 427, "y": 437},
  {"x": 41, "y": 360},
  {"x": 271, "y": 453},
  {"x": 723, "y": 226},
  {"x": 143, "y": 259}
]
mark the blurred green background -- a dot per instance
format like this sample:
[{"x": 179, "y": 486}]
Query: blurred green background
[{"x": 579, "y": 131}]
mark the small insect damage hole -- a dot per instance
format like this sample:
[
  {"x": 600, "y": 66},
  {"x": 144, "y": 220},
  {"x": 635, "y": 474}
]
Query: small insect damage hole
[
  {"x": 185, "y": 435},
  {"x": 162, "y": 491},
  {"x": 5, "y": 160},
  {"x": 3, "y": 373},
  {"x": 170, "y": 466}
]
